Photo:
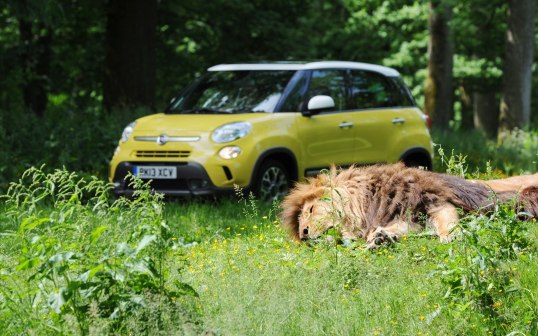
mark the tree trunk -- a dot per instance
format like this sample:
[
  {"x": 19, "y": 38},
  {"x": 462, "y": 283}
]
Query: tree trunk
[
  {"x": 486, "y": 113},
  {"x": 517, "y": 80},
  {"x": 35, "y": 56},
  {"x": 130, "y": 53},
  {"x": 439, "y": 94},
  {"x": 467, "y": 111}
]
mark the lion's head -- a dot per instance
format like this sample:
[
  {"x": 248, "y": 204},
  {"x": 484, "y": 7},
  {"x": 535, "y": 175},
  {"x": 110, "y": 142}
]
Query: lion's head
[
  {"x": 317, "y": 216},
  {"x": 312, "y": 208}
]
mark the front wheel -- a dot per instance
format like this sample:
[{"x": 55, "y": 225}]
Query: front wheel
[{"x": 272, "y": 181}]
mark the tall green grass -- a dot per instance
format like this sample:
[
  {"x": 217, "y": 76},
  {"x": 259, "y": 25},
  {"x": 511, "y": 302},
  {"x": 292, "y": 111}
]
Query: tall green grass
[
  {"x": 74, "y": 262},
  {"x": 260, "y": 282}
]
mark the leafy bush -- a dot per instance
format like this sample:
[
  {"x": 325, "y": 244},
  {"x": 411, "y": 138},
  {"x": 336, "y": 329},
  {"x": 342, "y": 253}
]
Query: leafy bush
[
  {"x": 518, "y": 153},
  {"x": 81, "y": 141},
  {"x": 87, "y": 264},
  {"x": 477, "y": 268}
]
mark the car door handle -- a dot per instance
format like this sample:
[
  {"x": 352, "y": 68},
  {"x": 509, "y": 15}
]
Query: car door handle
[
  {"x": 346, "y": 124},
  {"x": 398, "y": 121}
]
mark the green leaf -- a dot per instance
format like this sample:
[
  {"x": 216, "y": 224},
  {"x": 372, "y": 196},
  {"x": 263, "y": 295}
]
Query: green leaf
[
  {"x": 28, "y": 263},
  {"x": 94, "y": 236},
  {"x": 140, "y": 267},
  {"x": 30, "y": 223},
  {"x": 146, "y": 240},
  {"x": 185, "y": 289},
  {"x": 62, "y": 256},
  {"x": 57, "y": 300}
]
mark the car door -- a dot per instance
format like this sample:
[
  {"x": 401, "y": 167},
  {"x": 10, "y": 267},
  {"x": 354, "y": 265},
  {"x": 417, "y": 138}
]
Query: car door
[
  {"x": 377, "y": 115},
  {"x": 328, "y": 137}
]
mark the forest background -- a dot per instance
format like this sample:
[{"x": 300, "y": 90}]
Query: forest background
[{"x": 74, "y": 73}]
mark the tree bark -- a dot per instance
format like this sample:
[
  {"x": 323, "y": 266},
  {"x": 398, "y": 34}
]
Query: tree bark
[
  {"x": 35, "y": 56},
  {"x": 130, "y": 53},
  {"x": 517, "y": 81},
  {"x": 439, "y": 92},
  {"x": 486, "y": 113},
  {"x": 467, "y": 105}
]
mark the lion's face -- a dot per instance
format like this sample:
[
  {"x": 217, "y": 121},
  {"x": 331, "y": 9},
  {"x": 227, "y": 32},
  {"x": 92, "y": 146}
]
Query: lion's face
[{"x": 317, "y": 216}]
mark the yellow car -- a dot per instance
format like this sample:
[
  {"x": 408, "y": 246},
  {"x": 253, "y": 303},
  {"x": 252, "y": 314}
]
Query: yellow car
[{"x": 263, "y": 126}]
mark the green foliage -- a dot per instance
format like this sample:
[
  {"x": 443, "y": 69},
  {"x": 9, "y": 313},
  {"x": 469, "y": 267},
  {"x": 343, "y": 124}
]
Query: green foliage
[
  {"x": 478, "y": 273},
  {"x": 76, "y": 50},
  {"x": 75, "y": 262},
  {"x": 517, "y": 154},
  {"x": 81, "y": 141},
  {"x": 477, "y": 269},
  {"x": 86, "y": 263},
  {"x": 193, "y": 35},
  {"x": 478, "y": 27}
]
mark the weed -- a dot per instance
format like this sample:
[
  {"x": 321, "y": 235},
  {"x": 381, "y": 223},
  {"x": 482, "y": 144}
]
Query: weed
[
  {"x": 455, "y": 164},
  {"x": 476, "y": 269},
  {"x": 76, "y": 273},
  {"x": 256, "y": 211},
  {"x": 79, "y": 252},
  {"x": 250, "y": 206}
]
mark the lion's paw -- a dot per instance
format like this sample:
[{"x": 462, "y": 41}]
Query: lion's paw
[{"x": 379, "y": 238}]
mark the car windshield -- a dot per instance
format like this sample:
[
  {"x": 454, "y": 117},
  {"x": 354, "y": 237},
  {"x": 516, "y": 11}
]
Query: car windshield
[{"x": 233, "y": 92}]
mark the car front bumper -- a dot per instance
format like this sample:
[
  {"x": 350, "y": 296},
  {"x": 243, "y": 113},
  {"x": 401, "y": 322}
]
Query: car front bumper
[{"x": 192, "y": 180}]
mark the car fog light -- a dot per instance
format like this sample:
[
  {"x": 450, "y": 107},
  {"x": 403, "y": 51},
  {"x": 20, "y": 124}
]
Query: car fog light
[
  {"x": 230, "y": 152},
  {"x": 197, "y": 184}
]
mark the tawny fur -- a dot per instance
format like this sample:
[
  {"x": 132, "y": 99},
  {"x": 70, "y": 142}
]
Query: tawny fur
[
  {"x": 383, "y": 202},
  {"x": 511, "y": 184}
]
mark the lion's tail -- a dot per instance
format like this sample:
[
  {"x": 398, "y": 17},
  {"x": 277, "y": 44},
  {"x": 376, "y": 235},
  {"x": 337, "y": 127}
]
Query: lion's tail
[
  {"x": 468, "y": 195},
  {"x": 472, "y": 196}
]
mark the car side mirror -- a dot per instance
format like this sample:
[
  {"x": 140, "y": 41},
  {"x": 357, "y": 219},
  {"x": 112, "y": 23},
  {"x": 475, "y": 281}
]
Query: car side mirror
[{"x": 318, "y": 104}]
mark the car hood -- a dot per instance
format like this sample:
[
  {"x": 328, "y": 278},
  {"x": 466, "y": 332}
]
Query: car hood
[{"x": 190, "y": 124}]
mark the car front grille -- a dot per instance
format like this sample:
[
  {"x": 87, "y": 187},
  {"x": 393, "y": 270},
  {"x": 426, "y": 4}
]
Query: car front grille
[{"x": 162, "y": 154}]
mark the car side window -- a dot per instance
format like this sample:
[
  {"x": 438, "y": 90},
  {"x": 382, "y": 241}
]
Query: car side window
[
  {"x": 295, "y": 97},
  {"x": 403, "y": 95},
  {"x": 328, "y": 82},
  {"x": 370, "y": 90}
]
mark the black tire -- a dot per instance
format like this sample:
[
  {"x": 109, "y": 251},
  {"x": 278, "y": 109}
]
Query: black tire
[
  {"x": 411, "y": 163},
  {"x": 414, "y": 163},
  {"x": 272, "y": 181}
]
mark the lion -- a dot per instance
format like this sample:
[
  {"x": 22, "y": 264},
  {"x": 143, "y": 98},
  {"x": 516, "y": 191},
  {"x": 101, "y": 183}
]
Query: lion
[{"x": 381, "y": 203}]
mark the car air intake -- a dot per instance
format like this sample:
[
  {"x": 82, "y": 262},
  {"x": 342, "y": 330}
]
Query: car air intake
[
  {"x": 162, "y": 154},
  {"x": 228, "y": 173}
]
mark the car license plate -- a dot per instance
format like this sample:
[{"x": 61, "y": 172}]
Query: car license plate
[{"x": 155, "y": 172}]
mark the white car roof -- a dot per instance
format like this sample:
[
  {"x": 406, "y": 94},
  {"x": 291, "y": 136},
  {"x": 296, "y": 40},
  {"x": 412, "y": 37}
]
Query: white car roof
[{"x": 390, "y": 72}]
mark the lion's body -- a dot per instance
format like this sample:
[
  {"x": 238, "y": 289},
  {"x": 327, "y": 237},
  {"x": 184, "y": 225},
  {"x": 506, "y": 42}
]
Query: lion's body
[
  {"x": 511, "y": 184},
  {"x": 386, "y": 201}
]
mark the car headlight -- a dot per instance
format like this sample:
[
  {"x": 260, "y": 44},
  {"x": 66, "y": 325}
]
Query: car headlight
[
  {"x": 127, "y": 131},
  {"x": 231, "y": 132}
]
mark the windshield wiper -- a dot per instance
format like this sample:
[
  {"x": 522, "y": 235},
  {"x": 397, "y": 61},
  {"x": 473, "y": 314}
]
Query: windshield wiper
[{"x": 204, "y": 110}]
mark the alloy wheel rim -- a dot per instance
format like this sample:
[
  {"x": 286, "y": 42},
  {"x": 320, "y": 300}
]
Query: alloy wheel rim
[{"x": 274, "y": 184}]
